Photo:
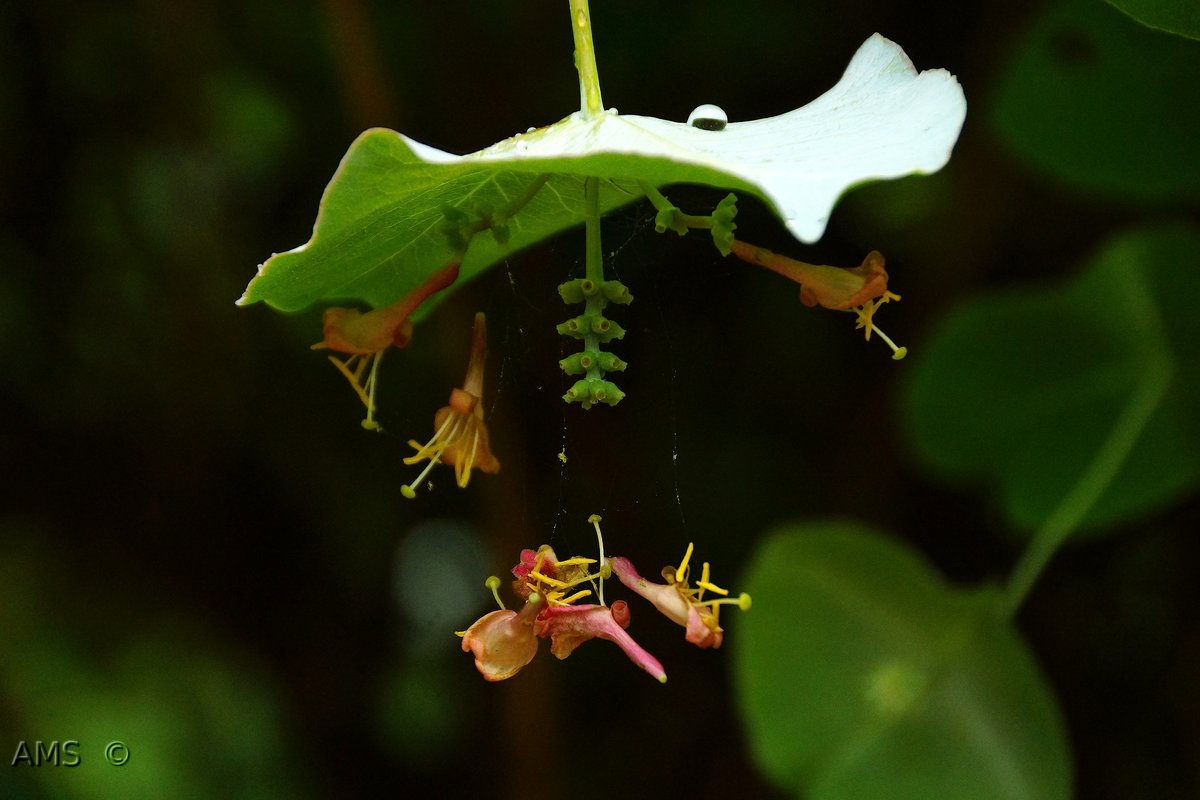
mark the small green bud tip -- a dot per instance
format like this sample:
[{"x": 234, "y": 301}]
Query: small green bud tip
[
  {"x": 594, "y": 518},
  {"x": 606, "y": 570},
  {"x": 744, "y": 601},
  {"x": 616, "y": 292},
  {"x": 408, "y": 491},
  {"x": 492, "y": 582},
  {"x": 900, "y": 354},
  {"x": 662, "y": 678}
]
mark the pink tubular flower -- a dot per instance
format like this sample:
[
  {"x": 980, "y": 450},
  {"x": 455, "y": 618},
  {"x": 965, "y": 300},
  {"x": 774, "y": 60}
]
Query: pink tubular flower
[
  {"x": 570, "y": 626},
  {"x": 504, "y": 641},
  {"x": 681, "y": 603}
]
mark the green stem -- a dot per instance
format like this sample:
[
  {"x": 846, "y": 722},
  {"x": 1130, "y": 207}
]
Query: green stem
[
  {"x": 594, "y": 260},
  {"x": 1095, "y": 480},
  {"x": 590, "y": 103}
]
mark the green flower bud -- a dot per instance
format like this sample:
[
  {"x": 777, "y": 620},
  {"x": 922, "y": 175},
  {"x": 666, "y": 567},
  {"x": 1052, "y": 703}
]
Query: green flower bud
[
  {"x": 577, "y": 327},
  {"x": 606, "y": 330},
  {"x": 610, "y": 363},
  {"x": 616, "y": 292},
  {"x": 577, "y": 291}
]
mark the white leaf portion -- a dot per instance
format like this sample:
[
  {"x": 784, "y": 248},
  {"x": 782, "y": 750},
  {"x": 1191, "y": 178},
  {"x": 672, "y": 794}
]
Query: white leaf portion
[{"x": 883, "y": 119}]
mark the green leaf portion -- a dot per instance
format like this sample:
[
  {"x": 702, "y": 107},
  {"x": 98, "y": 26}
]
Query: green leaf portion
[
  {"x": 379, "y": 232},
  {"x": 1104, "y": 104},
  {"x": 1174, "y": 16},
  {"x": 1089, "y": 385},
  {"x": 862, "y": 676}
]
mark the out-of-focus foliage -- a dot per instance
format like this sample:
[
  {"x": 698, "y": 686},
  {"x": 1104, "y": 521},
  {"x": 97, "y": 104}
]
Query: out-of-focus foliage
[
  {"x": 1176, "y": 16},
  {"x": 1103, "y": 104},
  {"x": 1038, "y": 390},
  {"x": 194, "y": 716},
  {"x": 862, "y": 675}
]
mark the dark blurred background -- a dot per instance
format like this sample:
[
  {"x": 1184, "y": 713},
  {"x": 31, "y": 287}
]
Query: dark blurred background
[{"x": 204, "y": 556}]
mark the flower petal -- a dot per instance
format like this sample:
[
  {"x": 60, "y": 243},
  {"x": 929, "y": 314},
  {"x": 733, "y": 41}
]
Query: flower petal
[
  {"x": 665, "y": 598},
  {"x": 503, "y": 642},
  {"x": 570, "y": 626}
]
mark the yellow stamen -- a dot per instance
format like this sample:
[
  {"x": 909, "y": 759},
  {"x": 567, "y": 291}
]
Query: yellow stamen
[
  {"x": 409, "y": 490},
  {"x": 681, "y": 571},
  {"x": 493, "y": 583},
  {"x": 433, "y": 447},
  {"x": 547, "y": 579},
  {"x": 865, "y": 322},
  {"x": 897, "y": 352},
  {"x": 605, "y": 569},
  {"x": 352, "y": 369},
  {"x": 742, "y": 601},
  {"x": 576, "y": 561},
  {"x": 566, "y": 601}
]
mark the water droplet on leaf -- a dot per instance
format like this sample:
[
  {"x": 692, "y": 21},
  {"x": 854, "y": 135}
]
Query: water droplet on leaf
[{"x": 708, "y": 118}]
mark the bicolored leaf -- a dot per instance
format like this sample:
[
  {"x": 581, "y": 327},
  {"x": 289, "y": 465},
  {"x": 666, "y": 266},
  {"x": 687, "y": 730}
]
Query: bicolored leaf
[{"x": 380, "y": 230}]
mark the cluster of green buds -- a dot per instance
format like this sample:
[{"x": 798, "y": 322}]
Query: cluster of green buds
[
  {"x": 593, "y": 329},
  {"x": 720, "y": 223}
]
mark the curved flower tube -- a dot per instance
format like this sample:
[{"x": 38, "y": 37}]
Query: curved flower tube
[
  {"x": 681, "y": 603},
  {"x": 461, "y": 437}
]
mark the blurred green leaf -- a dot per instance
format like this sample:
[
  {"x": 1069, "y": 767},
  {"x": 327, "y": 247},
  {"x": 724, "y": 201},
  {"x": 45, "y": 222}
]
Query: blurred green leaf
[
  {"x": 862, "y": 675},
  {"x": 1040, "y": 389},
  {"x": 1103, "y": 103},
  {"x": 1174, "y": 16},
  {"x": 198, "y": 719}
]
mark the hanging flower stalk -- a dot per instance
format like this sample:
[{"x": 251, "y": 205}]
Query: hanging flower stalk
[
  {"x": 461, "y": 436},
  {"x": 365, "y": 336}
]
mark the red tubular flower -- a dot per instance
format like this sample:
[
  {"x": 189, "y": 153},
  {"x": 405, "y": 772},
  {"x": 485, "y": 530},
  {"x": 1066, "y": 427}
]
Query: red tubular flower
[
  {"x": 365, "y": 336},
  {"x": 461, "y": 437},
  {"x": 862, "y": 289}
]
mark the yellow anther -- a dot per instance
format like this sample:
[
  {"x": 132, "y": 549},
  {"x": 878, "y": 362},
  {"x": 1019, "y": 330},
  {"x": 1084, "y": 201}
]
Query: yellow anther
[
  {"x": 681, "y": 570},
  {"x": 576, "y": 561},
  {"x": 566, "y": 601},
  {"x": 547, "y": 579},
  {"x": 712, "y": 587}
]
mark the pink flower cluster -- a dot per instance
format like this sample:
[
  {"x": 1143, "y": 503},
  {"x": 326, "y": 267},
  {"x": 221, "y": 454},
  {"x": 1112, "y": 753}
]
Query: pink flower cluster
[{"x": 505, "y": 640}]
